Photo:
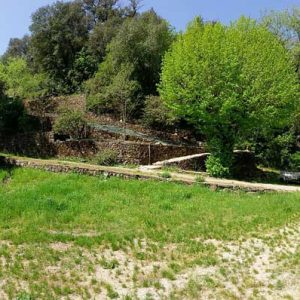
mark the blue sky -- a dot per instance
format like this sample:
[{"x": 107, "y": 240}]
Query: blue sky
[{"x": 15, "y": 14}]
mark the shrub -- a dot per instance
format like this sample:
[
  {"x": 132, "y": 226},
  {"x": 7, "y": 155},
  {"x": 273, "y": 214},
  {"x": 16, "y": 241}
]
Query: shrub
[
  {"x": 107, "y": 157},
  {"x": 24, "y": 296},
  {"x": 276, "y": 151},
  {"x": 72, "y": 123},
  {"x": 156, "y": 113},
  {"x": 200, "y": 179},
  {"x": 165, "y": 175},
  {"x": 11, "y": 114},
  {"x": 295, "y": 162},
  {"x": 215, "y": 168}
]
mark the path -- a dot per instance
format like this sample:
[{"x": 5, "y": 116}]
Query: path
[{"x": 142, "y": 173}]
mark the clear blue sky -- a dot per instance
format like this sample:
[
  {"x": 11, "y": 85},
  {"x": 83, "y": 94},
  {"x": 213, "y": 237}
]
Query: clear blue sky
[{"x": 15, "y": 14}]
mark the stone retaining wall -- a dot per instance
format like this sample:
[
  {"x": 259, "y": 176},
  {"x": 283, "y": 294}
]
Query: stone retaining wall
[{"x": 43, "y": 145}]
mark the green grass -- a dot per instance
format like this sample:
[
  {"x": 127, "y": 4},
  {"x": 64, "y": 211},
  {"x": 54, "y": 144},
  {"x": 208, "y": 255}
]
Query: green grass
[
  {"x": 153, "y": 223},
  {"x": 34, "y": 202}
]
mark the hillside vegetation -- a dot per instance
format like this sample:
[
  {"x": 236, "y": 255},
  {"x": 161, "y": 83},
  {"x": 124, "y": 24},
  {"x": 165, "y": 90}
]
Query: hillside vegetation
[{"x": 236, "y": 86}]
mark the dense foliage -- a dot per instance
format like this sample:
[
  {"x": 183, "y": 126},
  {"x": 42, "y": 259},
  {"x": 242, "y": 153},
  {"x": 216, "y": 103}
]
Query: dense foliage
[
  {"x": 59, "y": 32},
  {"x": 72, "y": 124},
  {"x": 18, "y": 48},
  {"x": 286, "y": 25},
  {"x": 237, "y": 84},
  {"x": 19, "y": 81},
  {"x": 157, "y": 114},
  {"x": 233, "y": 83},
  {"x": 69, "y": 39},
  {"x": 134, "y": 58}
]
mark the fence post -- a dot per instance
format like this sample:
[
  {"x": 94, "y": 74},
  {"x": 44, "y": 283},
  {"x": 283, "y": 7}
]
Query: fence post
[{"x": 149, "y": 154}]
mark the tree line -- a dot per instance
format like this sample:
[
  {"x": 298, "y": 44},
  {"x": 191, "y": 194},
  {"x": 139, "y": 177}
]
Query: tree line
[{"x": 237, "y": 85}]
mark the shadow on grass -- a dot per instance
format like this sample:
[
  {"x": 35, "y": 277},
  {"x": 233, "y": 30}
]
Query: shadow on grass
[{"x": 6, "y": 170}]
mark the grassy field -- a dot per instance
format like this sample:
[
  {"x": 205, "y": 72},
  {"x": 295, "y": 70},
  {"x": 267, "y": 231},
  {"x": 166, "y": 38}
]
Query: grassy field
[{"x": 78, "y": 237}]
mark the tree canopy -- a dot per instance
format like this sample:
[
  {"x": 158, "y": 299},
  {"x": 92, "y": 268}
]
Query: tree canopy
[
  {"x": 237, "y": 84},
  {"x": 59, "y": 32},
  {"x": 19, "y": 81},
  {"x": 286, "y": 25},
  {"x": 18, "y": 48},
  {"x": 233, "y": 83},
  {"x": 139, "y": 45}
]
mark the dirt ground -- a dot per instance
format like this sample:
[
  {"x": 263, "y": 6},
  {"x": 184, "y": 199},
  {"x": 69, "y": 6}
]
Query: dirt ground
[{"x": 265, "y": 267}]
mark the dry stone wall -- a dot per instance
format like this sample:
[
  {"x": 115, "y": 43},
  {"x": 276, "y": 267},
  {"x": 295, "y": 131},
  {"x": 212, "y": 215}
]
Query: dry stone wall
[{"x": 43, "y": 145}]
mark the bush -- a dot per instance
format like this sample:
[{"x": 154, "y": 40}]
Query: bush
[
  {"x": 295, "y": 162},
  {"x": 156, "y": 113},
  {"x": 165, "y": 175},
  {"x": 72, "y": 123},
  {"x": 200, "y": 179},
  {"x": 11, "y": 114},
  {"x": 276, "y": 151},
  {"x": 215, "y": 167},
  {"x": 24, "y": 296},
  {"x": 107, "y": 157}
]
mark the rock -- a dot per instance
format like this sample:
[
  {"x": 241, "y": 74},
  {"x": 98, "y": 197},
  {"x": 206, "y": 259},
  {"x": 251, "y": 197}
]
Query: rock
[{"x": 290, "y": 176}]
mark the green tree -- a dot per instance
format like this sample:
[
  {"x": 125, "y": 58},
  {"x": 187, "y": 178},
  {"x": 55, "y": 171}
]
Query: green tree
[
  {"x": 101, "y": 10},
  {"x": 118, "y": 95},
  {"x": 85, "y": 65},
  {"x": 140, "y": 43},
  {"x": 59, "y": 33},
  {"x": 233, "y": 83},
  {"x": 286, "y": 25},
  {"x": 106, "y": 18},
  {"x": 20, "y": 82},
  {"x": 101, "y": 36},
  {"x": 17, "y": 48},
  {"x": 2, "y": 79},
  {"x": 12, "y": 114}
]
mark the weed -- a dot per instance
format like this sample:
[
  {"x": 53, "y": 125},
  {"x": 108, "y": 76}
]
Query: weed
[
  {"x": 111, "y": 293},
  {"x": 109, "y": 264},
  {"x": 200, "y": 179},
  {"x": 165, "y": 175},
  {"x": 169, "y": 274}
]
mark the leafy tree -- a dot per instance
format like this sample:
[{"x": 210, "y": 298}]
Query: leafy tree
[
  {"x": 17, "y": 48},
  {"x": 20, "y": 82},
  {"x": 119, "y": 95},
  {"x": 233, "y": 83},
  {"x": 59, "y": 33},
  {"x": 107, "y": 17},
  {"x": 133, "y": 8},
  {"x": 12, "y": 114},
  {"x": 84, "y": 66},
  {"x": 2, "y": 79},
  {"x": 286, "y": 25},
  {"x": 101, "y": 11},
  {"x": 140, "y": 43},
  {"x": 102, "y": 35}
]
